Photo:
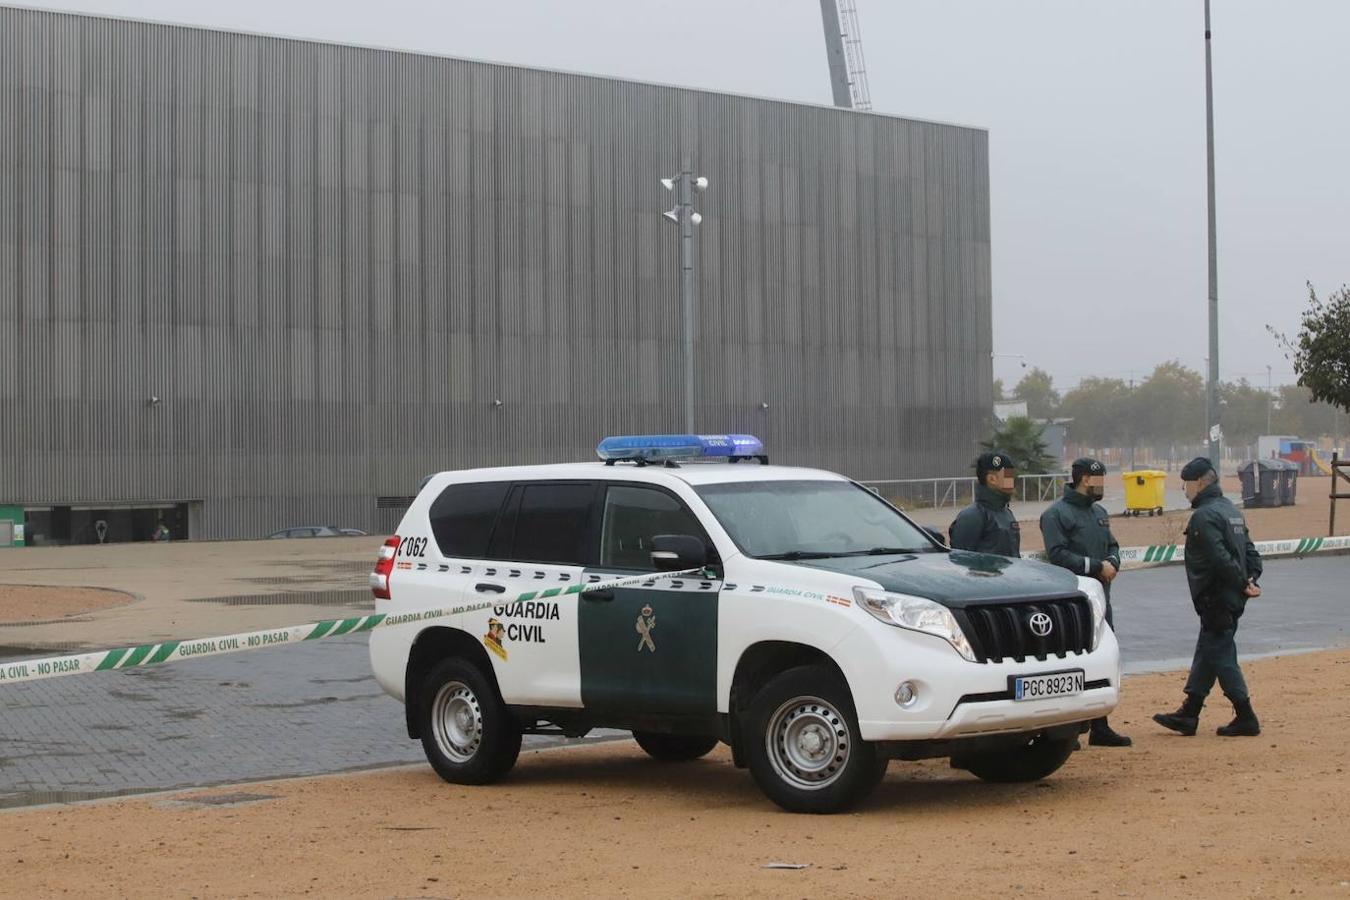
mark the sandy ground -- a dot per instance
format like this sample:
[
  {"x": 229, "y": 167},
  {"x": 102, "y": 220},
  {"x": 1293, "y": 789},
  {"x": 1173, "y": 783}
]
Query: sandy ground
[
  {"x": 173, "y": 579},
  {"x": 1308, "y": 518},
  {"x": 1173, "y": 816},
  {"x": 28, "y": 604}
]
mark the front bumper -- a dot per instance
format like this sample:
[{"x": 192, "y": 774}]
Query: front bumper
[{"x": 957, "y": 698}]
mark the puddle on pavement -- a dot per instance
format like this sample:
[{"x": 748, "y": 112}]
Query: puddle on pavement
[
  {"x": 42, "y": 798},
  {"x": 317, "y": 701},
  {"x": 350, "y": 598}
]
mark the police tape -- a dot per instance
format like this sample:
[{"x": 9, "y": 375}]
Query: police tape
[
  {"x": 1167, "y": 554},
  {"x": 197, "y": 648}
]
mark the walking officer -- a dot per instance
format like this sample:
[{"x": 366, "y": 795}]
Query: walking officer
[
  {"x": 1077, "y": 533},
  {"x": 1222, "y": 568},
  {"x": 988, "y": 525}
]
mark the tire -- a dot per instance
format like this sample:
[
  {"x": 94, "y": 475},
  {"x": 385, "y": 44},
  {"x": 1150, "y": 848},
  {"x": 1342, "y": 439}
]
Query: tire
[
  {"x": 1040, "y": 758},
  {"x": 802, "y": 744},
  {"x": 675, "y": 747},
  {"x": 468, "y": 734}
]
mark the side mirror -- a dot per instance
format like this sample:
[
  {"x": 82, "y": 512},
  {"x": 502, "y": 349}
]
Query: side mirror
[
  {"x": 935, "y": 535},
  {"x": 673, "y": 552}
]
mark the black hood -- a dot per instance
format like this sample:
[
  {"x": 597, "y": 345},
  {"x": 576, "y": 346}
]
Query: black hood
[{"x": 956, "y": 579}]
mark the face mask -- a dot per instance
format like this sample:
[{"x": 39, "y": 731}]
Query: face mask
[{"x": 1096, "y": 493}]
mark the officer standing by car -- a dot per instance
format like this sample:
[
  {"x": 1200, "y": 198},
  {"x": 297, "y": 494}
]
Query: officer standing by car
[
  {"x": 1222, "y": 568},
  {"x": 988, "y": 525},
  {"x": 1077, "y": 533}
]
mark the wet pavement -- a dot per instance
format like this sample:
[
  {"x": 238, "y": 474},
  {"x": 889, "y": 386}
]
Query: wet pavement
[{"x": 314, "y": 709}]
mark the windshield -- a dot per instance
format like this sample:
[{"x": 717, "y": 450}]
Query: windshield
[{"x": 811, "y": 520}]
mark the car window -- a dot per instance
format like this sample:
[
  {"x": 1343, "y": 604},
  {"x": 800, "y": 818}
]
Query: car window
[
  {"x": 463, "y": 515},
  {"x": 632, "y": 516},
  {"x": 770, "y": 518},
  {"x": 551, "y": 523}
]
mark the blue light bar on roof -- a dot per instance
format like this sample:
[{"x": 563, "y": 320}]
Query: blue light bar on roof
[{"x": 660, "y": 447}]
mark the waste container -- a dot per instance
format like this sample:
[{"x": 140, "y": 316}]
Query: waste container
[
  {"x": 1261, "y": 482},
  {"x": 1288, "y": 483},
  {"x": 1145, "y": 491}
]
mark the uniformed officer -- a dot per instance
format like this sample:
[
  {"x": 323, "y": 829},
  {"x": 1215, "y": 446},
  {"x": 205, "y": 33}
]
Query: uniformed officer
[
  {"x": 1077, "y": 533},
  {"x": 988, "y": 525},
  {"x": 1222, "y": 568}
]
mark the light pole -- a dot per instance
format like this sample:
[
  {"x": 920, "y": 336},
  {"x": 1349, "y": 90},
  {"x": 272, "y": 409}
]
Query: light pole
[
  {"x": 1212, "y": 390},
  {"x": 682, "y": 214},
  {"x": 1270, "y": 398}
]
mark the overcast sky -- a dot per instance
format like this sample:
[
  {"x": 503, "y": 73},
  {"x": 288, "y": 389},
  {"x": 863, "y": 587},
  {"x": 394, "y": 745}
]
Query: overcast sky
[{"x": 1097, "y": 141}]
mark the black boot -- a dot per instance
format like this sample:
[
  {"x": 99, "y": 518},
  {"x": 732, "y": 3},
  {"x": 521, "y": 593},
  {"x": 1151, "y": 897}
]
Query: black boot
[
  {"x": 1244, "y": 724},
  {"x": 1102, "y": 735},
  {"x": 1186, "y": 719}
]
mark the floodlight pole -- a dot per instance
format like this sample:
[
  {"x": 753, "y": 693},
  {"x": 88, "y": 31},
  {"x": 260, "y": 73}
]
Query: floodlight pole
[
  {"x": 685, "y": 199},
  {"x": 683, "y": 214},
  {"x": 1212, "y": 389}
]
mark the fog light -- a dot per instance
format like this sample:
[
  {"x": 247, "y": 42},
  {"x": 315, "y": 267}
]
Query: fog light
[{"x": 906, "y": 694}]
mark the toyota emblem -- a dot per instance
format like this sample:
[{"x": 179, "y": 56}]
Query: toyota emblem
[{"x": 1040, "y": 624}]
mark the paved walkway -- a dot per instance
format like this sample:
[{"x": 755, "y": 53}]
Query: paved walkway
[{"x": 1030, "y": 511}]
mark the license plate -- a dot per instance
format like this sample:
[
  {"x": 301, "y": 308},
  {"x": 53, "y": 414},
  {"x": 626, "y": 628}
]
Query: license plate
[{"x": 1043, "y": 687}]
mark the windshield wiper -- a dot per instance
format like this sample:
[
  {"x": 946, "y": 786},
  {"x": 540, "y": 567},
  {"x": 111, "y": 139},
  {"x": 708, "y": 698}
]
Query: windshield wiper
[{"x": 801, "y": 554}]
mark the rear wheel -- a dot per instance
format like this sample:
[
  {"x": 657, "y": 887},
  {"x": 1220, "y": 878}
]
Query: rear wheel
[
  {"x": 674, "y": 747},
  {"x": 468, "y": 734},
  {"x": 802, "y": 743},
  {"x": 1038, "y": 758}
]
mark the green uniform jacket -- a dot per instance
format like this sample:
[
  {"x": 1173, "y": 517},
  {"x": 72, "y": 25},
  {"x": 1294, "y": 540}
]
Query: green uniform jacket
[
  {"x": 987, "y": 525},
  {"x": 1077, "y": 533},
  {"x": 1220, "y": 555}
]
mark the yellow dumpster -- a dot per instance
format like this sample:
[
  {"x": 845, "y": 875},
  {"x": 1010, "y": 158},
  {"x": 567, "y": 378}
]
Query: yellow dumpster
[{"x": 1145, "y": 492}]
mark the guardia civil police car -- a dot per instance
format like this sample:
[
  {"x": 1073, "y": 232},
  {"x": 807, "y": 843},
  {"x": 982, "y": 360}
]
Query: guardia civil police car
[{"x": 808, "y": 624}]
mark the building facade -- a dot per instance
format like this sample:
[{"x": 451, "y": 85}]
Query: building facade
[{"x": 249, "y": 282}]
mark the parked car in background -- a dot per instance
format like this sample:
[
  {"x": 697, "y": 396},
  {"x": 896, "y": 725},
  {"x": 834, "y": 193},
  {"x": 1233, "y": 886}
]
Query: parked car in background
[{"x": 307, "y": 531}]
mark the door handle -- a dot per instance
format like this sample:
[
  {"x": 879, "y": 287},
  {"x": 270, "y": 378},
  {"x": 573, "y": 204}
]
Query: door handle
[
  {"x": 485, "y": 587},
  {"x": 604, "y": 595}
]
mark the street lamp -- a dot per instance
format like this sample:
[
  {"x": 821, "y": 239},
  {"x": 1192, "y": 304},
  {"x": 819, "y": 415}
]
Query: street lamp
[
  {"x": 683, "y": 186},
  {"x": 1214, "y": 432}
]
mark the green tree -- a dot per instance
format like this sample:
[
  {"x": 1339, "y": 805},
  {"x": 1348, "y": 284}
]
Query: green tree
[
  {"x": 1321, "y": 351},
  {"x": 1244, "y": 411},
  {"x": 998, "y": 388},
  {"x": 1021, "y": 439},
  {"x": 1170, "y": 405},
  {"x": 1100, "y": 409},
  {"x": 1298, "y": 414},
  {"x": 1037, "y": 388}
]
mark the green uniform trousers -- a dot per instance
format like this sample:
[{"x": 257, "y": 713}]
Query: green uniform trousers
[{"x": 1216, "y": 659}]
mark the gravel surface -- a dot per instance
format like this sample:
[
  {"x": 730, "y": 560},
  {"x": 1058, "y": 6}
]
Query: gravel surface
[{"x": 1172, "y": 816}]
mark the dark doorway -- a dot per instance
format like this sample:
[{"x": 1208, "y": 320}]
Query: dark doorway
[{"x": 108, "y": 525}]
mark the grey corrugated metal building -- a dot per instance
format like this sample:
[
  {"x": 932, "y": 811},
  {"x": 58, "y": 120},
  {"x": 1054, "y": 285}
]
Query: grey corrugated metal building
[{"x": 256, "y": 282}]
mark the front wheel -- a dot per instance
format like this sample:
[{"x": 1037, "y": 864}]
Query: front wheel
[
  {"x": 674, "y": 747},
  {"x": 1038, "y": 758},
  {"x": 468, "y": 734},
  {"x": 802, "y": 743}
]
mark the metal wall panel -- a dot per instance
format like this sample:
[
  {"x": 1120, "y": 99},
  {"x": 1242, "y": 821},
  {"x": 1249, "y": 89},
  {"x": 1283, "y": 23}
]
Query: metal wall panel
[{"x": 328, "y": 262}]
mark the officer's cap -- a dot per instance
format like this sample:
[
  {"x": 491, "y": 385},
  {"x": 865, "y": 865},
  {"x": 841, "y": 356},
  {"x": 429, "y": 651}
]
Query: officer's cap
[
  {"x": 993, "y": 461},
  {"x": 1086, "y": 465},
  {"x": 1196, "y": 469}
]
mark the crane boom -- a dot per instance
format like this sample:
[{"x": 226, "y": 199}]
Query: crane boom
[{"x": 843, "y": 50}]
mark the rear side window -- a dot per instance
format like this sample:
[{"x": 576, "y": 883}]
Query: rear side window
[
  {"x": 552, "y": 523},
  {"x": 463, "y": 515}
]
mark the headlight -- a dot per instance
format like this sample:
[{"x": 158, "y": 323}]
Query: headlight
[
  {"x": 1097, "y": 598},
  {"x": 916, "y": 614}
]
